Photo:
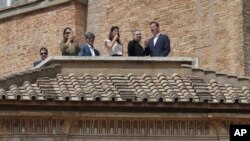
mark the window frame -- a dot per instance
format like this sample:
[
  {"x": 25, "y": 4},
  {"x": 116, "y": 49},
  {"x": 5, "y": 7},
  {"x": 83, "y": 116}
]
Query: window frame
[{"x": 10, "y": 3}]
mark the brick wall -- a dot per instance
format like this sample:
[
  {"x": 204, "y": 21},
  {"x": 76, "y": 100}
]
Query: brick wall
[
  {"x": 246, "y": 29},
  {"x": 23, "y": 35},
  {"x": 211, "y": 30}
]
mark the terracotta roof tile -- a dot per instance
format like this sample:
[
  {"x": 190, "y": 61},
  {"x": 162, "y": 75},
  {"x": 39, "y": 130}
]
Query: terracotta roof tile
[
  {"x": 119, "y": 87},
  {"x": 3, "y": 94}
]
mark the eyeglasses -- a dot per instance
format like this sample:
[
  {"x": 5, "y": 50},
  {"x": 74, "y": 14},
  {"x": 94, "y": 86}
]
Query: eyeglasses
[{"x": 43, "y": 53}]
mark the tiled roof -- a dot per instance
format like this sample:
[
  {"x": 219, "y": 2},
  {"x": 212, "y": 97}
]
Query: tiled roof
[
  {"x": 130, "y": 87},
  {"x": 164, "y": 80}
]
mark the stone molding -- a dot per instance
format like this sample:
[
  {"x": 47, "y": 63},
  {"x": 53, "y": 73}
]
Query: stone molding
[
  {"x": 181, "y": 60},
  {"x": 138, "y": 127},
  {"x": 30, "y": 75},
  {"x": 32, "y": 6}
]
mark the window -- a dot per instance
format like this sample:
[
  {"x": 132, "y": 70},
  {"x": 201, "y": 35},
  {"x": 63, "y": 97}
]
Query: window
[
  {"x": 8, "y": 3},
  {"x": 4, "y": 3}
]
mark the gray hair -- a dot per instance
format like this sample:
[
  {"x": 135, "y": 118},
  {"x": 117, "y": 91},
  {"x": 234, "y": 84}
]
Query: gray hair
[
  {"x": 136, "y": 30},
  {"x": 89, "y": 34}
]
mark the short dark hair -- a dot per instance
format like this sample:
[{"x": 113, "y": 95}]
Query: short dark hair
[
  {"x": 43, "y": 48},
  {"x": 156, "y": 23}
]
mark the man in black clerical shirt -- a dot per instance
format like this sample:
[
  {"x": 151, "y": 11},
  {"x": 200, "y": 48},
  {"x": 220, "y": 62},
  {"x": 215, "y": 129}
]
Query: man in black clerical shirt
[{"x": 134, "y": 47}]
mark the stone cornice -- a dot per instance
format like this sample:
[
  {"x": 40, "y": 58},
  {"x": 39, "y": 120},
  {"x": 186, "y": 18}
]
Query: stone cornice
[
  {"x": 30, "y": 75},
  {"x": 117, "y": 65},
  {"x": 32, "y": 6},
  {"x": 116, "y": 128},
  {"x": 132, "y": 107},
  {"x": 179, "y": 60}
]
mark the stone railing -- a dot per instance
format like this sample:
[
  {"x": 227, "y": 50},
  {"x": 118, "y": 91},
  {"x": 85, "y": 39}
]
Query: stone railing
[{"x": 115, "y": 65}]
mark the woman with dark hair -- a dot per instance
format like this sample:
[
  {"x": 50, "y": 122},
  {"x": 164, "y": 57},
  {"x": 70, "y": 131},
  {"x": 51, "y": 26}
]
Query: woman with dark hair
[
  {"x": 113, "y": 43},
  {"x": 69, "y": 45}
]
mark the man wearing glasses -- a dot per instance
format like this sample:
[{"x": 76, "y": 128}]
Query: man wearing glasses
[
  {"x": 134, "y": 46},
  {"x": 88, "y": 49},
  {"x": 43, "y": 54}
]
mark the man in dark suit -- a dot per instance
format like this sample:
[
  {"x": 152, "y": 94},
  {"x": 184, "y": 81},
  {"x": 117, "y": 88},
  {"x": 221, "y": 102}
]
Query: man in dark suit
[
  {"x": 159, "y": 45},
  {"x": 134, "y": 46},
  {"x": 88, "y": 49},
  {"x": 43, "y": 54}
]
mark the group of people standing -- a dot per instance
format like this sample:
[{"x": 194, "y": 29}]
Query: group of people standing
[{"x": 158, "y": 45}]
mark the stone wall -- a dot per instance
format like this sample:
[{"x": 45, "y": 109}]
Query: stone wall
[
  {"x": 24, "y": 34},
  {"x": 211, "y": 30}
]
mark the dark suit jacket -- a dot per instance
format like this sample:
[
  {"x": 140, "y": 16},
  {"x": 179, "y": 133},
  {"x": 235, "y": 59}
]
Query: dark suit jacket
[
  {"x": 85, "y": 51},
  {"x": 37, "y": 62},
  {"x": 135, "y": 49},
  {"x": 161, "y": 48}
]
